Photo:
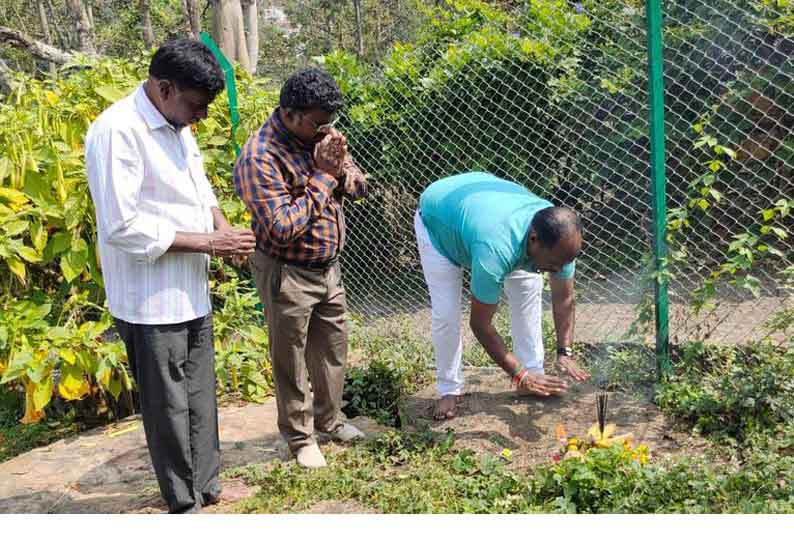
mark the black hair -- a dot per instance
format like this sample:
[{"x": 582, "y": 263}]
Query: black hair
[
  {"x": 309, "y": 89},
  {"x": 189, "y": 64},
  {"x": 553, "y": 223}
]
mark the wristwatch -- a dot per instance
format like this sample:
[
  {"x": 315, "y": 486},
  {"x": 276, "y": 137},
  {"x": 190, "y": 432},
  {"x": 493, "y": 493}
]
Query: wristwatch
[{"x": 564, "y": 351}]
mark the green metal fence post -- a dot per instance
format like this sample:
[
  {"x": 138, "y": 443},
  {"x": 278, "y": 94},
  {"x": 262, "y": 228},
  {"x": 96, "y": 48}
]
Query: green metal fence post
[
  {"x": 231, "y": 86},
  {"x": 653, "y": 11}
]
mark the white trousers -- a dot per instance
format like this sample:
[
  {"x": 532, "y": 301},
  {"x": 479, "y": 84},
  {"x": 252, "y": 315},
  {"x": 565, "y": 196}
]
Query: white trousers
[{"x": 445, "y": 282}]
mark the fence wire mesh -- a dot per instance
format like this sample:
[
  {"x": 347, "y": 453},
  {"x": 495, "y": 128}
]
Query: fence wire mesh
[{"x": 553, "y": 95}]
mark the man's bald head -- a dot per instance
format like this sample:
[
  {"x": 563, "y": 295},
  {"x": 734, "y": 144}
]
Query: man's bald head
[
  {"x": 554, "y": 223},
  {"x": 555, "y": 237}
]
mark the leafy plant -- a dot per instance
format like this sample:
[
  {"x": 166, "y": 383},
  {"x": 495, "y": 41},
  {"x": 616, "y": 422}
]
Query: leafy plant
[
  {"x": 54, "y": 329},
  {"x": 731, "y": 392},
  {"x": 394, "y": 367}
]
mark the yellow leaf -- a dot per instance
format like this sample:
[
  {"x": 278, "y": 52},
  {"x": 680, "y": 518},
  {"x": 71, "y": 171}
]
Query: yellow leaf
[
  {"x": 17, "y": 267},
  {"x": 105, "y": 378},
  {"x": 28, "y": 253},
  {"x": 115, "y": 430},
  {"x": 42, "y": 393},
  {"x": 52, "y": 98},
  {"x": 31, "y": 414},
  {"x": 31, "y": 164},
  {"x": 38, "y": 233},
  {"x": 72, "y": 388},
  {"x": 117, "y": 433},
  {"x": 14, "y": 197},
  {"x": 68, "y": 356}
]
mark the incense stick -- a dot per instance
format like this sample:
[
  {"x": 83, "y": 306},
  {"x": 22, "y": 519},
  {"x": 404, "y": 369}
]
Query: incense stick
[{"x": 602, "y": 398}]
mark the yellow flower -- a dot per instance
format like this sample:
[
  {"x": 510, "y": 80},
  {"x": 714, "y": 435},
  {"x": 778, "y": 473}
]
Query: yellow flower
[
  {"x": 641, "y": 454},
  {"x": 606, "y": 439},
  {"x": 506, "y": 454}
]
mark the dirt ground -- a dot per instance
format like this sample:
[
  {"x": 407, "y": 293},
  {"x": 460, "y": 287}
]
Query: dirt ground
[
  {"x": 493, "y": 417},
  {"x": 107, "y": 470}
]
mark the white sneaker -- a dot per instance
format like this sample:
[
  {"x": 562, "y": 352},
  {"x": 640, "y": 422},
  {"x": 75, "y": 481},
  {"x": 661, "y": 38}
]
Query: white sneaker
[
  {"x": 345, "y": 433},
  {"x": 310, "y": 457}
]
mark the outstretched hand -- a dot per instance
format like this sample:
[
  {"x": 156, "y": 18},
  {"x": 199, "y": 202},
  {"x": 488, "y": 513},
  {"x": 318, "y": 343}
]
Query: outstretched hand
[
  {"x": 543, "y": 385},
  {"x": 571, "y": 368}
]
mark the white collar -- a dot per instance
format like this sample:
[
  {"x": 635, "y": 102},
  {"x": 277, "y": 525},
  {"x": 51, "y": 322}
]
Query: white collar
[{"x": 154, "y": 119}]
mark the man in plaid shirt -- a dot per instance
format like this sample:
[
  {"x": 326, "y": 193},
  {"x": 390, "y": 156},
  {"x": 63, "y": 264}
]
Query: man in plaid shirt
[{"x": 293, "y": 175}]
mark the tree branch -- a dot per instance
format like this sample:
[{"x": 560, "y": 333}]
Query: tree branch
[{"x": 17, "y": 39}]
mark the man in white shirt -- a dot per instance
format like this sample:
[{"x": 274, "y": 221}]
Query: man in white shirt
[{"x": 158, "y": 223}]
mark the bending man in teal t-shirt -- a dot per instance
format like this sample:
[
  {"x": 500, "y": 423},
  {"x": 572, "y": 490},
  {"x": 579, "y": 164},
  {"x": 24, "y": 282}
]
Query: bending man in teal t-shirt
[{"x": 506, "y": 236}]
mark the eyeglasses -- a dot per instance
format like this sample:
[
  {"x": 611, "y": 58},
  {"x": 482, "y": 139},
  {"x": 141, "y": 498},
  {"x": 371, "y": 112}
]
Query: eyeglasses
[{"x": 322, "y": 127}]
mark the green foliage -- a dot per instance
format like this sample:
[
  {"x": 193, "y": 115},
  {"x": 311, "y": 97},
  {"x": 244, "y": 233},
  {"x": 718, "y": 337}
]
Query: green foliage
[
  {"x": 396, "y": 473},
  {"x": 241, "y": 341},
  {"x": 610, "y": 482},
  {"x": 394, "y": 365},
  {"x": 401, "y": 472},
  {"x": 731, "y": 393},
  {"x": 54, "y": 327},
  {"x": 593, "y": 483}
]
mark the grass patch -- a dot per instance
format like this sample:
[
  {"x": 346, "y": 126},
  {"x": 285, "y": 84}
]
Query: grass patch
[{"x": 400, "y": 472}]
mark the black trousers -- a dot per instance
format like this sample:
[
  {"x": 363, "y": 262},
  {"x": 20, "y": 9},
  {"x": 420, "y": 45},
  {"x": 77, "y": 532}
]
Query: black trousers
[{"x": 174, "y": 369}]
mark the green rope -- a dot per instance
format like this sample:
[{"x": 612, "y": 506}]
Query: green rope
[{"x": 231, "y": 86}]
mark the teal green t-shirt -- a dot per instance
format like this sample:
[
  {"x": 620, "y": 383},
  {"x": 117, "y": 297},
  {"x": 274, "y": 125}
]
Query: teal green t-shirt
[{"x": 479, "y": 221}]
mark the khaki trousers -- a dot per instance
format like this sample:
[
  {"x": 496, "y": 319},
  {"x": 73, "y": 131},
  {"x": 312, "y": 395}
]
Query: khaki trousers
[{"x": 306, "y": 319}]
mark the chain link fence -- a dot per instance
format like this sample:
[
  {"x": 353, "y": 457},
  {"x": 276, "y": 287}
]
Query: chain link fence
[{"x": 554, "y": 95}]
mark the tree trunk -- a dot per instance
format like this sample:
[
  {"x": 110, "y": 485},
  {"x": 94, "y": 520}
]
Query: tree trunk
[
  {"x": 89, "y": 10},
  {"x": 329, "y": 36},
  {"x": 45, "y": 29},
  {"x": 251, "y": 16},
  {"x": 39, "y": 49},
  {"x": 146, "y": 24},
  {"x": 5, "y": 73},
  {"x": 378, "y": 29},
  {"x": 82, "y": 25},
  {"x": 229, "y": 31},
  {"x": 192, "y": 15},
  {"x": 359, "y": 29},
  {"x": 186, "y": 16},
  {"x": 62, "y": 41}
]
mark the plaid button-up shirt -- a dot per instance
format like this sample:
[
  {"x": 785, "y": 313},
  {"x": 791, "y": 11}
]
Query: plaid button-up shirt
[{"x": 297, "y": 211}]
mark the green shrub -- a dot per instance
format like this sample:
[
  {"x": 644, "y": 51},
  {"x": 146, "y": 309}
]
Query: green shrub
[
  {"x": 395, "y": 365},
  {"x": 731, "y": 392},
  {"x": 53, "y": 324}
]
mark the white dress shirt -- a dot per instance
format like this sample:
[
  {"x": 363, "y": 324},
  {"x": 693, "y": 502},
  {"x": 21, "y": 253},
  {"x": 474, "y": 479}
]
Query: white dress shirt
[{"x": 147, "y": 181}]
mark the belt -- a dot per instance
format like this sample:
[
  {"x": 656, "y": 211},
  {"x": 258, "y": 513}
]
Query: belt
[{"x": 315, "y": 266}]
